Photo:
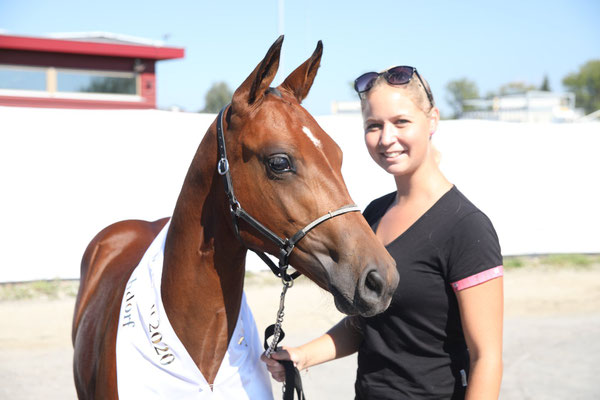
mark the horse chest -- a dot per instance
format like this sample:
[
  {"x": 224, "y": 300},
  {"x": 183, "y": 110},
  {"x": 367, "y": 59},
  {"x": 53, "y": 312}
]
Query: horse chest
[{"x": 153, "y": 363}]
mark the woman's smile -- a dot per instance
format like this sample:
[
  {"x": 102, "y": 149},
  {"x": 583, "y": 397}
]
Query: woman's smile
[{"x": 393, "y": 155}]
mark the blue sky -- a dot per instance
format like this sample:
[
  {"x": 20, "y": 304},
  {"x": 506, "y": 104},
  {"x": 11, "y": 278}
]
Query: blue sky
[{"x": 491, "y": 43}]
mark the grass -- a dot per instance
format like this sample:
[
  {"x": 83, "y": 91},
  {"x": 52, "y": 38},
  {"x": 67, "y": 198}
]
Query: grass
[
  {"x": 575, "y": 260},
  {"x": 514, "y": 262},
  {"x": 57, "y": 289},
  {"x": 579, "y": 261},
  {"x": 44, "y": 289}
]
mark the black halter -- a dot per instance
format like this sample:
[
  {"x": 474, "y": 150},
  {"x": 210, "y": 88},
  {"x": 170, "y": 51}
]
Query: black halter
[{"x": 285, "y": 245}]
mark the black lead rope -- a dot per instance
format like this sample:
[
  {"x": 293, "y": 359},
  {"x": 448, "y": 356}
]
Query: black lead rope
[{"x": 293, "y": 382}]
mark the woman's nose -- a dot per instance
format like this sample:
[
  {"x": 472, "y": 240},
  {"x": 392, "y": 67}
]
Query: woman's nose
[{"x": 388, "y": 134}]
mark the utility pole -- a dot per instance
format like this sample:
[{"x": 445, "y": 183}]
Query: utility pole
[{"x": 281, "y": 29}]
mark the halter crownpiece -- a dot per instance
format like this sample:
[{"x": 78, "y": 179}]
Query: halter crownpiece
[{"x": 286, "y": 246}]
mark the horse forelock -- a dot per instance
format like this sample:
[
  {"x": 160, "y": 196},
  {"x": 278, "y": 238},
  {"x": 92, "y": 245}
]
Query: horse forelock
[
  {"x": 278, "y": 112},
  {"x": 274, "y": 91}
]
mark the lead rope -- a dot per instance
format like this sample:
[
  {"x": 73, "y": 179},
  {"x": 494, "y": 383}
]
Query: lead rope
[
  {"x": 293, "y": 382},
  {"x": 279, "y": 320}
]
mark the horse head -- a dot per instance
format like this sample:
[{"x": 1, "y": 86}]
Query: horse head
[{"x": 286, "y": 172}]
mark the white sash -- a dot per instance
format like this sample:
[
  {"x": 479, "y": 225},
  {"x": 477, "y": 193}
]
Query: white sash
[{"x": 152, "y": 363}]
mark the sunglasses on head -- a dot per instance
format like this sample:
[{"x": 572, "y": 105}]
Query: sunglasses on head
[{"x": 400, "y": 75}]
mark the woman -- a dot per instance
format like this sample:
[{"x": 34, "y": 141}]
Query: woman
[{"x": 450, "y": 296}]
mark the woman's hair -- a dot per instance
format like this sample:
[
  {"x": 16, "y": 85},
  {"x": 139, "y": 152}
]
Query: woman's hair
[{"x": 415, "y": 91}]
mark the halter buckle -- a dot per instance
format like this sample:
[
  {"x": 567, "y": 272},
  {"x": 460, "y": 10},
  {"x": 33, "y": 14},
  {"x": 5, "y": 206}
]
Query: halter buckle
[{"x": 222, "y": 166}]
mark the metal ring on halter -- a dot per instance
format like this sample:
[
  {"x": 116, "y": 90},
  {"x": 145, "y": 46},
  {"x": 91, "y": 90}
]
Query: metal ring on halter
[
  {"x": 288, "y": 282},
  {"x": 234, "y": 207},
  {"x": 223, "y": 166}
]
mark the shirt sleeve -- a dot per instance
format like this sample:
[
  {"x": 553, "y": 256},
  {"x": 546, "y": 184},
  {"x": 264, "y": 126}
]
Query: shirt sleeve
[{"x": 474, "y": 252}]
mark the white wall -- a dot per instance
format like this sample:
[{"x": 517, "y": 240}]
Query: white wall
[
  {"x": 66, "y": 174},
  {"x": 539, "y": 183}
]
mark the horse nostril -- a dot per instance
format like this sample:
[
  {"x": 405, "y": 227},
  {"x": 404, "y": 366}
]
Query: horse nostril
[
  {"x": 373, "y": 293},
  {"x": 374, "y": 284}
]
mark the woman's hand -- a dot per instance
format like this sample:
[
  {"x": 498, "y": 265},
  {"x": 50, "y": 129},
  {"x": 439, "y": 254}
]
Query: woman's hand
[
  {"x": 341, "y": 340},
  {"x": 276, "y": 369}
]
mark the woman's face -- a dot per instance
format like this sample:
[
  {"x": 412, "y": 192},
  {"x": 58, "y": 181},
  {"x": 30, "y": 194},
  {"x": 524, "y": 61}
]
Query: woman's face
[{"x": 397, "y": 132}]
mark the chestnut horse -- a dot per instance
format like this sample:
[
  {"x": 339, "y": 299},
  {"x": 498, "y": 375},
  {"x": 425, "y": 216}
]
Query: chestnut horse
[{"x": 286, "y": 172}]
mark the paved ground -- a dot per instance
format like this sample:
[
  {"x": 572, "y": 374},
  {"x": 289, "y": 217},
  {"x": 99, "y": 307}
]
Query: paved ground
[{"x": 551, "y": 347}]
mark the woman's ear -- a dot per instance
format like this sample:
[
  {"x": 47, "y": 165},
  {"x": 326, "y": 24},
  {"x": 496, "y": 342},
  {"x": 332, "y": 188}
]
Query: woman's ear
[{"x": 434, "y": 119}]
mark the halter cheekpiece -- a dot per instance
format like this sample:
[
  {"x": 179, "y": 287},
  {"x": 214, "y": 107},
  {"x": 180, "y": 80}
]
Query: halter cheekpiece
[
  {"x": 286, "y": 246},
  {"x": 293, "y": 382}
]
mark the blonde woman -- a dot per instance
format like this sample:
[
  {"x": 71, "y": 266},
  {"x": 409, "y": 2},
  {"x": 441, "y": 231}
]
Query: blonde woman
[{"x": 441, "y": 337}]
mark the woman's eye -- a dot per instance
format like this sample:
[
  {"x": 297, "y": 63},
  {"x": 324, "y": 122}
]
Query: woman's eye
[
  {"x": 279, "y": 163},
  {"x": 372, "y": 127}
]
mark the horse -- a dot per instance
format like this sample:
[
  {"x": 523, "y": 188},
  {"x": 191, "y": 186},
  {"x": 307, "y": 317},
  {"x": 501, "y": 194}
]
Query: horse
[{"x": 286, "y": 171}]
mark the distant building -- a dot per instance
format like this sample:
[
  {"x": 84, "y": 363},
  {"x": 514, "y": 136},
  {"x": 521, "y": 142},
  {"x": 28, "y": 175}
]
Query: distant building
[
  {"x": 532, "y": 106},
  {"x": 345, "y": 107},
  {"x": 92, "y": 70}
]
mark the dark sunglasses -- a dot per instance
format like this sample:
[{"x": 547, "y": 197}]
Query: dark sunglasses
[{"x": 394, "y": 76}]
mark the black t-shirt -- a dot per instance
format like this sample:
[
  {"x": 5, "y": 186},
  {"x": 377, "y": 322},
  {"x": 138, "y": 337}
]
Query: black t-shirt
[{"x": 416, "y": 348}]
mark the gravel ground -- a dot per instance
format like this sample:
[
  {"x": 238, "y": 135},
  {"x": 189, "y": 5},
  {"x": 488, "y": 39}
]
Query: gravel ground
[{"x": 551, "y": 346}]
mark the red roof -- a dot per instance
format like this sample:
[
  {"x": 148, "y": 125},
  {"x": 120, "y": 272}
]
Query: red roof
[{"x": 39, "y": 44}]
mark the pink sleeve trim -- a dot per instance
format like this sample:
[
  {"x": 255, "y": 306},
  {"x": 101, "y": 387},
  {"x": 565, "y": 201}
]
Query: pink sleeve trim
[{"x": 479, "y": 278}]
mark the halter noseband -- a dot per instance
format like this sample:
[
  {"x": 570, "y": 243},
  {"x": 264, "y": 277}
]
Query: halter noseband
[{"x": 285, "y": 245}]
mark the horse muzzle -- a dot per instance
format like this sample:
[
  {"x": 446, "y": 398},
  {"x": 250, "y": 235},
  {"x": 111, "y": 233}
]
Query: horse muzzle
[{"x": 371, "y": 293}]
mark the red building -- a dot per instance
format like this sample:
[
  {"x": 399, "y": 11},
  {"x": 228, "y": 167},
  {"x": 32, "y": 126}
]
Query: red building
[{"x": 98, "y": 70}]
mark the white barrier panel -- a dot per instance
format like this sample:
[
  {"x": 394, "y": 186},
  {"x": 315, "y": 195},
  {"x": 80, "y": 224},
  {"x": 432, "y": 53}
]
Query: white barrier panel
[
  {"x": 538, "y": 183},
  {"x": 66, "y": 174}
]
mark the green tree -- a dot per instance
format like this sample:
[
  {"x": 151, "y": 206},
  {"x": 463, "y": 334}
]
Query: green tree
[
  {"x": 110, "y": 85},
  {"x": 351, "y": 86},
  {"x": 217, "y": 97},
  {"x": 545, "y": 85},
  {"x": 586, "y": 86},
  {"x": 458, "y": 91},
  {"x": 515, "y": 88},
  {"x": 490, "y": 95}
]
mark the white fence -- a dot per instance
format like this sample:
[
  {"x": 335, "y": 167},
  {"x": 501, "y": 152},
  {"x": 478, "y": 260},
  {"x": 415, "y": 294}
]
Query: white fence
[{"x": 66, "y": 174}]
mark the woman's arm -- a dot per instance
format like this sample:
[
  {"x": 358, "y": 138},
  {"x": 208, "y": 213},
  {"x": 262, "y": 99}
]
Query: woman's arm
[
  {"x": 481, "y": 310},
  {"x": 341, "y": 340}
]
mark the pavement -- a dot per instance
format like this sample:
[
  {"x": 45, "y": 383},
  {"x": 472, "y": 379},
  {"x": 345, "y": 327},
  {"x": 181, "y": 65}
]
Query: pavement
[{"x": 551, "y": 339}]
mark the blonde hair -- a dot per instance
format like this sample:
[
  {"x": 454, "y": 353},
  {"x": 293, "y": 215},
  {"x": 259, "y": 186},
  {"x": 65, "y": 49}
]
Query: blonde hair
[{"x": 413, "y": 89}]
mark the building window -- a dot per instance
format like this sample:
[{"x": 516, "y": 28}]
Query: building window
[
  {"x": 79, "y": 84},
  {"x": 22, "y": 78},
  {"x": 74, "y": 81}
]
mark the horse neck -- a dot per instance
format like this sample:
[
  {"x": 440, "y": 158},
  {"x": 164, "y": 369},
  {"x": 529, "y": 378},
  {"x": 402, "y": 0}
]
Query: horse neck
[{"x": 204, "y": 264}]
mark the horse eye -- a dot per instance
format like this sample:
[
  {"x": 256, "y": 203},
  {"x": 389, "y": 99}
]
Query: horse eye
[{"x": 279, "y": 163}]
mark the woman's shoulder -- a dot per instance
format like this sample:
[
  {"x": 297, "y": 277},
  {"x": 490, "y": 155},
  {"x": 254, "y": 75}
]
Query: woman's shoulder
[
  {"x": 455, "y": 213},
  {"x": 377, "y": 207},
  {"x": 454, "y": 203},
  {"x": 465, "y": 222},
  {"x": 471, "y": 243}
]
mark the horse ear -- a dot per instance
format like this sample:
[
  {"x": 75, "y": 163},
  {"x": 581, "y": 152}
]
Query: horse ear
[
  {"x": 300, "y": 81},
  {"x": 259, "y": 80}
]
